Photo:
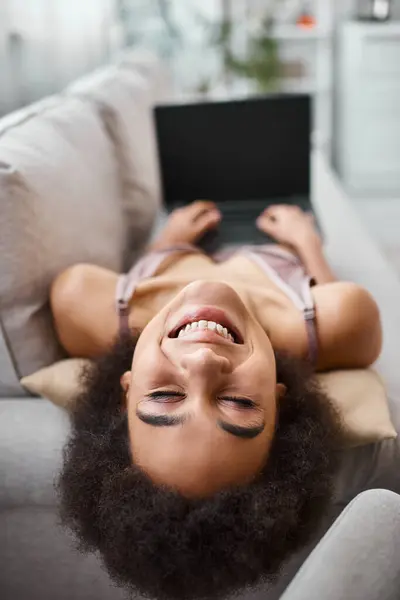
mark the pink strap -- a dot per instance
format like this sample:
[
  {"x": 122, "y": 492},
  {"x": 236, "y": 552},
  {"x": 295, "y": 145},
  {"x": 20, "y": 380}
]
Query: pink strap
[
  {"x": 143, "y": 269},
  {"x": 301, "y": 298}
]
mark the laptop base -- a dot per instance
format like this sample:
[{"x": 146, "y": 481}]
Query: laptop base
[{"x": 238, "y": 224}]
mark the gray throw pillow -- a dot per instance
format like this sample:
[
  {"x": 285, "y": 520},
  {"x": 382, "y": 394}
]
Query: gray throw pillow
[{"x": 60, "y": 205}]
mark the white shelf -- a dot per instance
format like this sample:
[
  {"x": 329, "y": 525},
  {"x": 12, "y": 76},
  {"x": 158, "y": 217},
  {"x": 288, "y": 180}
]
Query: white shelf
[
  {"x": 368, "y": 108},
  {"x": 297, "y": 33},
  {"x": 303, "y": 85},
  {"x": 372, "y": 28}
]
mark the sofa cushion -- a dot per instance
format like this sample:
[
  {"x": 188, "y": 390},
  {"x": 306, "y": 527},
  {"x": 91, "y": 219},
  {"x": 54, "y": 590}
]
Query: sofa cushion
[
  {"x": 32, "y": 434},
  {"x": 124, "y": 100},
  {"x": 39, "y": 560},
  {"x": 23, "y": 114},
  {"x": 60, "y": 203},
  {"x": 149, "y": 66}
]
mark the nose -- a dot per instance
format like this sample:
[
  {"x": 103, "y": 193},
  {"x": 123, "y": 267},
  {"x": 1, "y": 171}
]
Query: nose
[{"x": 205, "y": 361}]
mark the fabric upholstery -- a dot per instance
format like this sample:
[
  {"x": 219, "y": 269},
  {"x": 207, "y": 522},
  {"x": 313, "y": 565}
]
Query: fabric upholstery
[
  {"x": 355, "y": 256},
  {"x": 358, "y": 558},
  {"x": 124, "y": 101},
  {"x": 32, "y": 434},
  {"x": 19, "y": 116},
  {"x": 148, "y": 65},
  {"x": 38, "y": 561},
  {"x": 59, "y": 197},
  {"x": 9, "y": 382}
]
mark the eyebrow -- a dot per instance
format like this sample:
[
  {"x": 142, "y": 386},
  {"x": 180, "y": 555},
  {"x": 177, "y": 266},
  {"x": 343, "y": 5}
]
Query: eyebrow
[{"x": 246, "y": 433}]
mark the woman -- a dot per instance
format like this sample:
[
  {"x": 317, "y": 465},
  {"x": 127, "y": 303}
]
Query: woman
[{"x": 201, "y": 457}]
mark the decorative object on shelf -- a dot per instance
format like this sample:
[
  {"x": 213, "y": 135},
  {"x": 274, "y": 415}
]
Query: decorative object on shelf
[
  {"x": 306, "y": 16},
  {"x": 293, "y": 69},
  {"x": 375, "y": 10}
]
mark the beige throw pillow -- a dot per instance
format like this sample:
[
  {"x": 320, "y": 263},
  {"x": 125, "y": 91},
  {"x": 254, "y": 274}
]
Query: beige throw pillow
[
  {"x": 359, "y": 395},
  {"x": 60, "y": 382}
]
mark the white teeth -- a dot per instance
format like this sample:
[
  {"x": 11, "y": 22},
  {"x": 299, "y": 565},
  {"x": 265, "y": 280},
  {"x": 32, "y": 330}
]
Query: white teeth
[{"x": 203, "y": 324}]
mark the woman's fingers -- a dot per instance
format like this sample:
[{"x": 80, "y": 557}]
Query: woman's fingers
[
  {"x": 278, "y": 211},
  {"x": 200, "y": 206},
  {"x": 266, "y": 223},
  {"x": 204, "y": 214},
  {"x": 207, "y": 219}
]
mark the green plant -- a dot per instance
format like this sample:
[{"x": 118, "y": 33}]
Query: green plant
[{"x": 262, "y": 63}]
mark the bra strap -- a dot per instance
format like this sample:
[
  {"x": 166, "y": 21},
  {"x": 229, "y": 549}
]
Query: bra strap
[{"x": 310, "y": 319}]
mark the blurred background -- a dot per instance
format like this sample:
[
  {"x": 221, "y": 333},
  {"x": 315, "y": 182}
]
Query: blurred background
[{"x": 346, "y": 53}]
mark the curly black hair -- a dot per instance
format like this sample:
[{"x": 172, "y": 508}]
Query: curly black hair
[{"x": 157, "y": 543}]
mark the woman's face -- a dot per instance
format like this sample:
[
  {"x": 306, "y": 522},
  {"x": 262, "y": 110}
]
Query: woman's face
[{"x": 201, "y": 402}]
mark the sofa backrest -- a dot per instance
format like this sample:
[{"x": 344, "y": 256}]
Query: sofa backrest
[
  {"x": 124, "y": 99},
  {"x": 140, "y": 60}
]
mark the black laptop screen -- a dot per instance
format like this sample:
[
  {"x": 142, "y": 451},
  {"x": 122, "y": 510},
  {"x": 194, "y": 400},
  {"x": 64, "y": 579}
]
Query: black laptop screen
[{"x": 248, "y": 149}]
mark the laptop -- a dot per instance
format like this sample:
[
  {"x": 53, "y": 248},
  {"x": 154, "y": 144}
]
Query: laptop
[{"x": 245, "y": 155}]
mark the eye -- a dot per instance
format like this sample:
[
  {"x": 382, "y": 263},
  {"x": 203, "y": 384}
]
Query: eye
[
  {"x": 166, "y": 396},
  {"x": 238, "y": 401}
]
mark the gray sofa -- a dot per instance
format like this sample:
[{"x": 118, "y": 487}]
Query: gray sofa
[{"x": 78, "y": 182}]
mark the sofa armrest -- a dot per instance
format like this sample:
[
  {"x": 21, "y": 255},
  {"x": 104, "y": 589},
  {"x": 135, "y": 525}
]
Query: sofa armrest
[{"x": 355, "y": 256}]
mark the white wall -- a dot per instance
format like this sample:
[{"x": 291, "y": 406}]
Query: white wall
[{"x": 44, "y": 44}]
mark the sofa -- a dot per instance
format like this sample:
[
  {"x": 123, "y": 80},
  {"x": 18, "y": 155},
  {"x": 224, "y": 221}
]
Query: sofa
[{"x": 79, "y": 182}]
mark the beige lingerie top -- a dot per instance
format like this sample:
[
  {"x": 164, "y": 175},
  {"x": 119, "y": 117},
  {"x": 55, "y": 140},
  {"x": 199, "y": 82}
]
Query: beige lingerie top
[{"x": 268, "y": 278}]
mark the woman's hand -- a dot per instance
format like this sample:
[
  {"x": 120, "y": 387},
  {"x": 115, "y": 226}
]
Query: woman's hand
[
  {"x": 294, "y": 228},
  {"x": 288, "y": 225},
  {"x": 188, "y": 224}
]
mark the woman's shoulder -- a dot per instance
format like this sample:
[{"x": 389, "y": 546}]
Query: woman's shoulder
[
  {"x": 82, "y": 303},
  {"x": 348, "y": 324}
]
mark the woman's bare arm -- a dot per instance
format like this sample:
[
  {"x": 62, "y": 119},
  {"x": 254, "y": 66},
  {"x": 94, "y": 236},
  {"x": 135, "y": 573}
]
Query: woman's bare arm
[
  {"x": 82, "y": 303},
  {"x": 348, "y": 321},
  {"x": 312, "y": 256},
  {"x": 348, "y": 326}
]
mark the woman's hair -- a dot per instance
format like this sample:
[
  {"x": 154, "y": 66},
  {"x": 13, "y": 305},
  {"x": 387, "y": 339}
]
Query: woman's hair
[{"x": 157, "y": 543}]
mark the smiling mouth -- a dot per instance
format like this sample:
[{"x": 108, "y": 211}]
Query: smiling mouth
[{"x": 207, "y": 324}]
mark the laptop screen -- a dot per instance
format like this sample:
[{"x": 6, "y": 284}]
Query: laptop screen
[{"x": 241, "y": 149}]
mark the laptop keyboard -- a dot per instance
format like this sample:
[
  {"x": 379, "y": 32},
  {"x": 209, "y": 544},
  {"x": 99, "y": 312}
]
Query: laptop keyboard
[
  {"x": 238, "y": 225},
  {"x": 236, "y": 209},
  {"x": 238, "y": 220},
  {"x": 232, "y": 211}
]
